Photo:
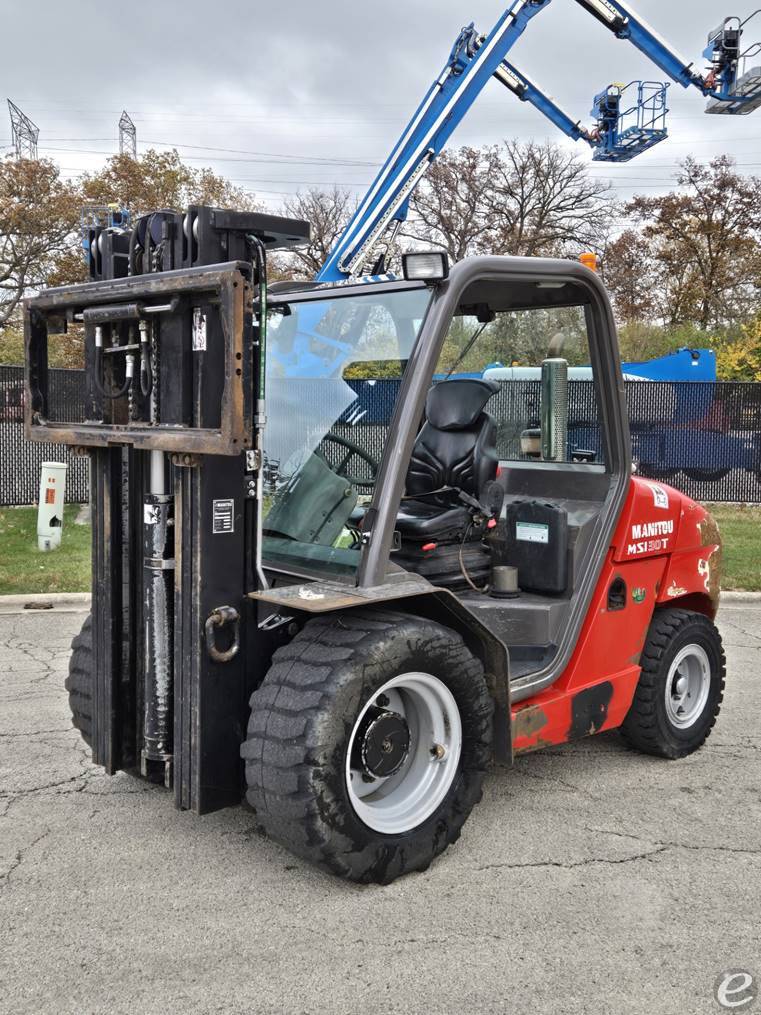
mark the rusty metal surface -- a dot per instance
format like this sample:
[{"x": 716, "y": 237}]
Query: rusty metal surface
[
  {"x": 711, "y": 539},
  {"x": 225, "y": 285},
  {"x": 326, "y": 597},
  {"x": 528, "y": 722}
]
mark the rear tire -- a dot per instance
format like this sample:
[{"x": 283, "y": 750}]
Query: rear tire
[
  {"x": 658, "y": 472},
  {"x": 681, "y": 687},
  {"x": 305, "y": 721},
  {"x": 80, "y": 680},
  {"x": 707, "y": 475}
]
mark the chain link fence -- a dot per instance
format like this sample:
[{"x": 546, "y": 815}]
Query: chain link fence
[
  {"x": 703, "y": 439},
  {"x": 21, "y": 460}
]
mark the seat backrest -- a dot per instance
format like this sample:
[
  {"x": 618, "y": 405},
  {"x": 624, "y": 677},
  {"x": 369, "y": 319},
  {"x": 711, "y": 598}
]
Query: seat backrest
[{"x": 458, "y": 444}]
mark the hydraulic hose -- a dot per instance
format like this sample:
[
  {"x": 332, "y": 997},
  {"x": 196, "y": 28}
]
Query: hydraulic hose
[{"x": 98, "y": 372}]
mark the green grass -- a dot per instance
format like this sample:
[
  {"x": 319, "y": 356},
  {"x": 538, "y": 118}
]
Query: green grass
[
  {"x": 24, "y": 570},
  {"x": 741, "y": 532}
]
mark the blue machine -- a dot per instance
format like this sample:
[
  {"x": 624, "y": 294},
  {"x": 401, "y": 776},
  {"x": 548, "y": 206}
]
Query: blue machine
[
  {"x": 697, "y": 365},
  {"x": 630, "y": 118},
  {"x": 97, "y": 217}
]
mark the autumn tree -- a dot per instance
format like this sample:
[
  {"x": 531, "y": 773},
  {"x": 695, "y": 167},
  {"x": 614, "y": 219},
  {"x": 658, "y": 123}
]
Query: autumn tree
[
  {"x": 519, "y": 198},
  {"x": 739, "y": 358},
  {"x": 39, "y": 219},
  {"x": 161, "y": 180},
  {"x": 631, "y": 277},
  {"x": 705, "y": 243},
  {"x": 328, "y": 212}
]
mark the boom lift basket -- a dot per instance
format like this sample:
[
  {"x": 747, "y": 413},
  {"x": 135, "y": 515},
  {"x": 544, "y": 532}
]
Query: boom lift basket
[{"x": 631, "y": 119}]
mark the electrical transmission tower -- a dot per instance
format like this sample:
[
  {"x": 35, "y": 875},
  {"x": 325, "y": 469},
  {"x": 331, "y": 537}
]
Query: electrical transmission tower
[
  {"x": 25, "y": 134},
  {"x": 127, "y": 136}
]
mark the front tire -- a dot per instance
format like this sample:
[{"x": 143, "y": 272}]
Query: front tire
[
  {"x": 368, "y": 743},
  {"x": 80, "y": 680},
  {"x": 681, "y": 687}
]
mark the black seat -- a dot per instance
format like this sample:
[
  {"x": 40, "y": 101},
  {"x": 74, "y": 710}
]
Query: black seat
[{"x": 455, "y": 451}]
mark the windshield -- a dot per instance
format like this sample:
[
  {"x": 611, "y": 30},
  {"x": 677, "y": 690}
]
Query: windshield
[{"x": 334, "y": 368}]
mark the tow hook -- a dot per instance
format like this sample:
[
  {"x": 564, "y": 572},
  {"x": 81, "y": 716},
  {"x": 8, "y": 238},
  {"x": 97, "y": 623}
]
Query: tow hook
[{"x": 222, "y": 617}]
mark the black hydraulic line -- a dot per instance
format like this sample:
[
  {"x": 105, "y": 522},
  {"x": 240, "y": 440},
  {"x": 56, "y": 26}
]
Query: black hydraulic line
[
  {"x": 133, "y": 244},
  {"x": 146, "y": 375},
  {"x": 98, "y": 371}
]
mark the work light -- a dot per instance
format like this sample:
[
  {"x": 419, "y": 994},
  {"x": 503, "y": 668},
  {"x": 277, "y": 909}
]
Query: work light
[{"x": 433, "y": 267}]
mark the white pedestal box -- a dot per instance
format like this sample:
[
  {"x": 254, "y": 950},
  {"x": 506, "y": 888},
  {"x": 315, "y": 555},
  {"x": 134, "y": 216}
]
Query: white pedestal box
[{"x": 50, "y": 514}]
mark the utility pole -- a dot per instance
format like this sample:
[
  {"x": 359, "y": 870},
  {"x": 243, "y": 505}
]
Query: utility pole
[
  {"x": 25, "y": 134},
  {"x": 127, "y": 136}
]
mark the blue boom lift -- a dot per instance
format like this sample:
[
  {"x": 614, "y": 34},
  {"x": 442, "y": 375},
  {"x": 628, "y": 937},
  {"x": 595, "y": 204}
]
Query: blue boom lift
[{"x": 630, "y": 118}]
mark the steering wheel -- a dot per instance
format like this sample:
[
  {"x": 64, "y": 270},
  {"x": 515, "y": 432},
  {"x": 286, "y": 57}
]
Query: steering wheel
[{"x": 352, "y": 450}]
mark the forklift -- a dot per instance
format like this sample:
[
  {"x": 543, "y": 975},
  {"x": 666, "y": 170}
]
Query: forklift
[
  {"x": 340, "y": 566},
  {"x": 339, "y": 572}
]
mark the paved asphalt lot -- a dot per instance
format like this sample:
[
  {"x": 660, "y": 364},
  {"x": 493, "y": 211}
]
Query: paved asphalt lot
[{"x": 589, "y": 880}]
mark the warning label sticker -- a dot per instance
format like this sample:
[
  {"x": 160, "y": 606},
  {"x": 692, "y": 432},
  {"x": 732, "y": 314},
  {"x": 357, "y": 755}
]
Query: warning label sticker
[
  {"x": 532, "y": 532},
  {"x": 224, "y": 517},
  {"x": 199, "y": 330},
  {"x": 660, "y": 497}
]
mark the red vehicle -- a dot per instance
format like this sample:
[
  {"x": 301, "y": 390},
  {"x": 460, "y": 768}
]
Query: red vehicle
[{"x": 349, "y": 620}]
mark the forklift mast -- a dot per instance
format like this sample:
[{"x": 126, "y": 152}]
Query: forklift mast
[
  {"x": 630, "y": 119},
  {"x": 171, "y": 424}
]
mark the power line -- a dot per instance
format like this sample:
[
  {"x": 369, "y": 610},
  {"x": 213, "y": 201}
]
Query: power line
[{"x": 267, "y": 157}]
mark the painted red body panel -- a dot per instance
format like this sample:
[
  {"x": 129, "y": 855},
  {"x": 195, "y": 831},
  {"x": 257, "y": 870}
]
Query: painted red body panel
[{"x": 667, "y": 551}]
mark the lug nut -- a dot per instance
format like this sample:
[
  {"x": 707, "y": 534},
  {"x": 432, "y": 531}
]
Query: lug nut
[{"x": 438, "y": 752}]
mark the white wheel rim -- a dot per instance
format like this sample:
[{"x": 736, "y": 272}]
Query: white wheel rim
[
  {"x": 688, "y": 687},
  {"x": 409, "y": 797}
]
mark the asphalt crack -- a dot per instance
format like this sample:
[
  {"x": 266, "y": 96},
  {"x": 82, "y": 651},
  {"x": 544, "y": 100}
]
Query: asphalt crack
[
  {"x": 666, "y": 844},
  {"x": 575, "y": 864},
  {"x": 5, "y": 876},
  {"x": 564, "y": 784}
]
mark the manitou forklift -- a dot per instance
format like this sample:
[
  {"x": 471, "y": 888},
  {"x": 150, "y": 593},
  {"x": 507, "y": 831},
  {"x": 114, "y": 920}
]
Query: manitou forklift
[
  {"x": 338, "y": 568},
  {"x": 351, "y": 607}
]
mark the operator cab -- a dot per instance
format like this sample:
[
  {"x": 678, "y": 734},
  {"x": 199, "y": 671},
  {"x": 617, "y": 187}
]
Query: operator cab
[
  {"x": 518, "y": 366},
  {"x": 517, "y": 450}
]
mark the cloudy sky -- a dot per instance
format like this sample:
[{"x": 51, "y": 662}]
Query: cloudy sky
[{"x": 281, "y": 96}]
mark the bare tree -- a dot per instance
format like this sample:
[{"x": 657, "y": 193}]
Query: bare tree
[
  {"x": 541, "y": 201},
  {"x": 515, "y": 198},
  {"x": 450, "y": 206},
  {"x": 328, "y": 212}
]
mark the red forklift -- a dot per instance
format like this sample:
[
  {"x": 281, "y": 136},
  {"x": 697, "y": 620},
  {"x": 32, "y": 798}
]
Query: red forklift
[{"x": 335, "y": 570}]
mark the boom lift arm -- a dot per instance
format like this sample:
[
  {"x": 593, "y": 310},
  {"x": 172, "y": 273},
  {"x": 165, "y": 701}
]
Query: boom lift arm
[{"x": 626, "y": 126}]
